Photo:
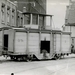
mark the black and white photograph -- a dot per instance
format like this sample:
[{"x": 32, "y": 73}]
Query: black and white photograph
[{"x": 37, "y": 37}]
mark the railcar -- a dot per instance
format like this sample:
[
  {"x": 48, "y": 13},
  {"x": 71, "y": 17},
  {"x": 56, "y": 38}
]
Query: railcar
[{"x": 32, "y": 42}]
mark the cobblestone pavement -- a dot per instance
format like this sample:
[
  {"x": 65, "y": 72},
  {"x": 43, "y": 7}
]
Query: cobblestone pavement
[{"x": 64, "y": 66}]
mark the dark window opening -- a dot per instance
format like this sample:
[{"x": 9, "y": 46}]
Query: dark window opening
[{"x": 5, "y": 42}]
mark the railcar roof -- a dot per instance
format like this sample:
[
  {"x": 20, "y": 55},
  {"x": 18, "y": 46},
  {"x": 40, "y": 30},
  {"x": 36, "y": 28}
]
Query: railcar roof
[
  {"x": 36, "y": 30},
  {"x": 37, "y": 14},
  {"x": 70, "y": 24}
]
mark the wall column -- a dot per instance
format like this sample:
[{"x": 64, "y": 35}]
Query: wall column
[
  {"x": 61, "y": 42},
  {"x": 30, "y": 19},
  {"x": 51, "y": 47},
  {"x": 2, "y": 38},
  {"x": 39, "y": 41},
  {"x": 27, "y": 43}
]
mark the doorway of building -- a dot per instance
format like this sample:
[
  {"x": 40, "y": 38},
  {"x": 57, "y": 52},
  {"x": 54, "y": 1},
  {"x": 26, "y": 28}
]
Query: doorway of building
[
  {"x": 45, "y": 45},
  {"x": 5, "y": 42}
]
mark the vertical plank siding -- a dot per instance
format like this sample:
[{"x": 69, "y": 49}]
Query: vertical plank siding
[
  {"x": 66, "y": 43},
  {"x": 1, "y": 42},
  {"x": 57, "y": 42},
  {"x": 20, "y": 42},
  {"x": 33, "y": 43}
]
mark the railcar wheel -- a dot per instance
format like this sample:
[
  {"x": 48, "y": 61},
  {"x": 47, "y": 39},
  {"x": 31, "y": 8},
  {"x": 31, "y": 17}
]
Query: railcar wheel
[
  {"x": 11, "y": 57},
  {"x": 59, "y": 57},
  {"x": 55, "y": 57},
  {"x": 30, "y": 57},
  {"x": 19, "y": 58}
]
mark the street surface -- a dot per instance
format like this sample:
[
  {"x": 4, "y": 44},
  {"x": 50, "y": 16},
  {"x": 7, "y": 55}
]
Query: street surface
[{"x": 64, "y": 66}]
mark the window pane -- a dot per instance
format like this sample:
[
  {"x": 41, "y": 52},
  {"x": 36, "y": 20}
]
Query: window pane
[
  {"x": 27, "y": 19},
  {"x": 3, "y": 13},
  {"x": 13, "y": 18},
  {"x": 41, "y": 21},
  {"x": 21, "y": 21},
  {"x": 35, "y": 19},
  {"x": 8, "y": 16},
  {"x": 18, "y": 21}
]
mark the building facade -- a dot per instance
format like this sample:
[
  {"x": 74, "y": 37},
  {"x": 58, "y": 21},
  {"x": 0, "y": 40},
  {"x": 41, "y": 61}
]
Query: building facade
[
  {"x": 70, "y": 18},
  {"x": 70, "y": 21},
  {"x": 70, "y": 13},
  {"x": 7, "y": 13},
  {"x": 11, "y": 11},
  {"x": 31, "y": 6},
  {"x": 35, "y": 6}
]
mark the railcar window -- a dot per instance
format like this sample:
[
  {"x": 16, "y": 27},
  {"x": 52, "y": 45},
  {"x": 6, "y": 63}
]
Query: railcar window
[
  {"x": 27, "y": 19},
  {"x": 35, "y": 19},
  {"x": 41, "y": 21}
]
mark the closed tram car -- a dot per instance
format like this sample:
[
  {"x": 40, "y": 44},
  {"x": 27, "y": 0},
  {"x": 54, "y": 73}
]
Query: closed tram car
[{"x": 34, "y": 40}]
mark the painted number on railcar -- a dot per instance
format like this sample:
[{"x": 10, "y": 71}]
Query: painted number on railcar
[{"x": 20, "y": 40}]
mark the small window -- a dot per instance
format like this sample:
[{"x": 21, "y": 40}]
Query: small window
[
  {"x": 41, "y": 21},
  {"x": 13, "y": 16},
  {"x": 27, "y": 19},
  {"x": 3, "y": 12},
  {"x": 72, "y": 41},
  {"x": 18, "y": 21},
  {"x": 21, "y": 21},
  {"x": 34, "y": 19},
  {"x": 66, "y": 20},
  {"x": 8, "y": 15}
]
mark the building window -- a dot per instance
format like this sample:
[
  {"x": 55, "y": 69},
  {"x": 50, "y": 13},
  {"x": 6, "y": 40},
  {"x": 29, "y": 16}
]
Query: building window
[
  {"x": 66, "y": 20},
  {"x": 27, "y": 19},
  {"x": 34, "y": 19},
  {"x": 21, "y": 21},
  {"x": 63, "y": 28},
  {"x": 72, "y": 41},
  {"x": 13, "y": 17},
  {"x": 3, "y": 12},
  {"x": 18, "y": 21},
  {"x": 8, "y": 15}
]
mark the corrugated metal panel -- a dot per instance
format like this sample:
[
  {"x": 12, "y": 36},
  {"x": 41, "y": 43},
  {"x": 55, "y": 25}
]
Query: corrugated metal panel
[
  {"x": 66, "y": 43},
  {"x": 45, "y": 36},
  {"x": 57, "y": 42},
  {"x": 20, "y": 42},
  {"x": 33, "y": 43},
  {"x": 72, "y": 31}
]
